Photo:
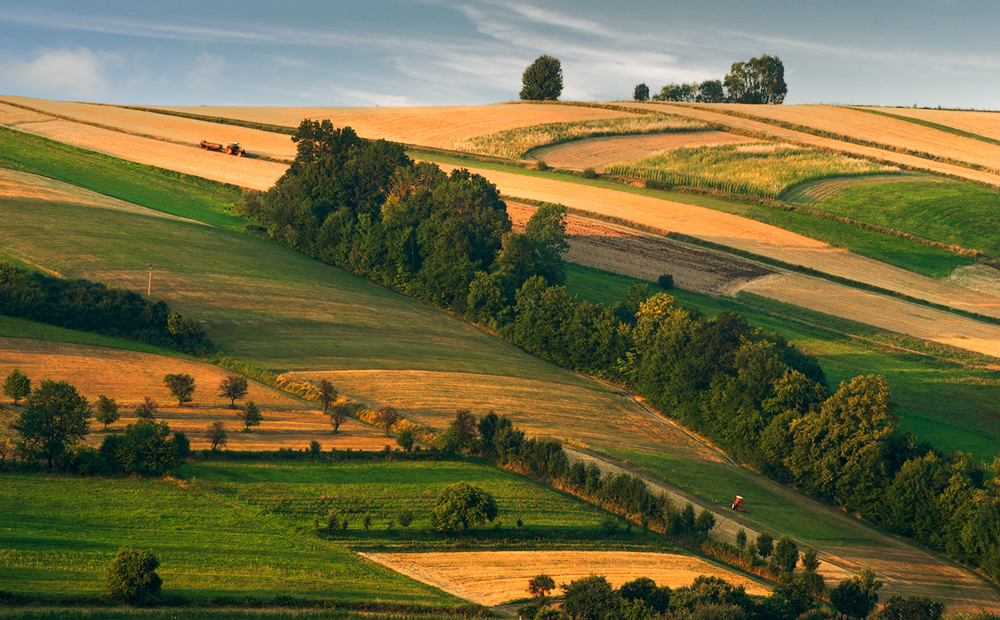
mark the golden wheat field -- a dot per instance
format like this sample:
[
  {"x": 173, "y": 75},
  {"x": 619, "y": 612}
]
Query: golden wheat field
[
  {"x": 799, "y": 137},
  {"x": 597, "y": 153},
  {"x": 873, "y": 128},
  {"x": 986, "y": 124},
  {"x": 494, "y": 577},
  {"x": 434, "y": 126}
]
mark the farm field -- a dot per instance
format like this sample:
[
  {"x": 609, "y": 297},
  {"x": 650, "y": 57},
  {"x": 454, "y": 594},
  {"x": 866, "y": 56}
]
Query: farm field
[
  {"x": 491, "y": 578},
  {"x": 803, "y": 138},
  {"x": 755, "y": 169},
  {"x": 985, "y": 124},
  {"x": 811, "y": 193},
  {"x": 878, "y": 129},
  {"x": 206, "y": 547},
  {"x": 597, "y": 153},
  {"x": 433, "y": 126}
]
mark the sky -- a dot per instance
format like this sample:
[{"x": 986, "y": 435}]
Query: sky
[{"x": 441, "y": 52}]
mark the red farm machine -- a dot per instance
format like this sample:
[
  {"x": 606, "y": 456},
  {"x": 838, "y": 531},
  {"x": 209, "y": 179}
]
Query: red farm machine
[
  {"x": 232, "y": 149},
  {"x": 737, "y": 504}
]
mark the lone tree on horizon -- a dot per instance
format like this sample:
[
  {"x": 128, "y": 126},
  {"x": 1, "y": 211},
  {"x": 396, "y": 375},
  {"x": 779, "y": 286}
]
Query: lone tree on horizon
[
  {"x": 641, "y": 92},
  {"x": 542, "y": 80}
]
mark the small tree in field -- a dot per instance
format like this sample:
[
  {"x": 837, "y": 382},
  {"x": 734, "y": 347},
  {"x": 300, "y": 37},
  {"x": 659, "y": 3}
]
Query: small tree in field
[
  {"x": 17, "y": 386},
  {"x": 461, "y": 506},
  {"x": 338, "y": 415},
  {"x": 217, "y": 435},
  {"x": 539, "y": 587},
  {"x": 765, "y": 544},
  {"x": 641, "y": 92},
  {"x": 250, "y": 414},
  {"x": 181, "y": 386},
  {"x": 405, "y": 439},
  {"x": 54, "y": 418},
  {"x": 132, "y": 578},
  {"x": 387, "y": 416},
  {"x": 106, "y": 410},
  {"x": 327, "y": 395},
  {"x": 233, "y": 388},
  {"x": 147, "y": 409},
  {"x": 542, "y": 80}
]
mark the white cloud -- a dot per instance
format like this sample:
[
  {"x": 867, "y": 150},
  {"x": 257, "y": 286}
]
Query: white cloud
[
  {"x": 207, "y": 72},
  {"x": 79, "y": 71}
]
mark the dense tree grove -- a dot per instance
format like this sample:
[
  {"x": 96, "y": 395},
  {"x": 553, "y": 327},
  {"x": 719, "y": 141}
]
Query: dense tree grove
[
  {"x": 446, "y": 239},
  {"x": 759, "y": 80},
  {"x": 92, "y": 307}
]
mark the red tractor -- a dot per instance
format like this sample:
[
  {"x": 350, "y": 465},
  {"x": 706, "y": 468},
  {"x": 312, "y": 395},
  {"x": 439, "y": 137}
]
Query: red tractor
[
  {"x": 737, "y": 504},
  {"x": 232, "y": 149}
]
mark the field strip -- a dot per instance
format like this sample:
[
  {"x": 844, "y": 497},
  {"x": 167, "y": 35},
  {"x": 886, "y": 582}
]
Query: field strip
[
  {"x": 986, "y": 124},
  {"x": 798, "y": 137},
  {"x": 599, "y": 152},
  {"x": 241, "y": 171},
  {"x": 495, "y": 577},
  {"x": 15, "y": 185}
]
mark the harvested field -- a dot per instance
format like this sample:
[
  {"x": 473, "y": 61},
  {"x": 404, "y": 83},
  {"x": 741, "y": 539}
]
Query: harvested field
[
  {"x": 597, "y": 153},
  {"x": 129, "y": 377},
  {"x": 495, "y": 577},
  {"x": 241, "y": 171},
  {"x": 593, "y": 243},
  {"x": 798, "y": 137},
  {"x": 596, "y": 414},
  {"x": 881, "y": 311},
  {"x": 173, "y": 129},
  {"x": 986, "y": 124},
  {"x": 874, "y": 128},
  {"x": 812, "y": 193},
  {"x": 21, "y": 185},
  {"x": 439, "y": 127}
]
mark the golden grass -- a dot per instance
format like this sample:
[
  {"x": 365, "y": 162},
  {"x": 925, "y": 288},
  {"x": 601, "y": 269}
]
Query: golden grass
[
  {"x": 516, "y": 143},
  {"x": 439, "y": 127},
  {"x": 596, "y": 153},
  {"x": 495, "y": 577}
]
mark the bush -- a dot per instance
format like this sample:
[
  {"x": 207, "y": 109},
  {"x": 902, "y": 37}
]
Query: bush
[
  {"x": 528, "y": 611},
  {"x": 405, "y": 439},
  {"x": 132, "y": 578},
  {"x": 541, "y": 165},
  {"x": 589, "y": 173},
  {"x": 665, "y": 281},
  {"x": 654, "y": 184}
]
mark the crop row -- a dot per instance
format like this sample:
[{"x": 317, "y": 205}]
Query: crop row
[
  {"x": 515, "y": 143},
  {"x": 746, "y": 169}
]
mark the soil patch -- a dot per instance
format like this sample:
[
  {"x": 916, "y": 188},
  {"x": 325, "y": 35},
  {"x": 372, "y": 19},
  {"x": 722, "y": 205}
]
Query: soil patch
[
  {"x": 597, "y": 153},
  {"x": 494, "y": 577}
]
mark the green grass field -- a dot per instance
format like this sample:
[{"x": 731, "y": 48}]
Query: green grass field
[
  {"x": 947, "y": 403},
  {"x": 58, "y": 533},
  {"x": 161, "y": 190},
  {"x": 11, "y": 327}
]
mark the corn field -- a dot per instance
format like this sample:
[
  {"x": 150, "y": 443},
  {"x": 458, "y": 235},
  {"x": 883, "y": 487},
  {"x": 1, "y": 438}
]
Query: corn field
[
  {"x": 515, "y": 143},
  {"x": 746, "y": 169}
]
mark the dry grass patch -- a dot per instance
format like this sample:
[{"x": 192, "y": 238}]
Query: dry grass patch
[
  {"x": 986, "y": 124},
  {"x": 434, "y": 126},
  {"x": 241, "y": 171},
  {"x": 596, "y": 153},
  {"x": 492, "y": 578}
]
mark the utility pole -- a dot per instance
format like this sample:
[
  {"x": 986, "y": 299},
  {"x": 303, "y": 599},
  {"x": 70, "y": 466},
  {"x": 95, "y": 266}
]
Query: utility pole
[{"x": 149, "y": 286}]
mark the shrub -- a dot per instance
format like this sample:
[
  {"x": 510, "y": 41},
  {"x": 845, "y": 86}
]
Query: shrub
[
  {"x": 405, "y": 439},
  {"x": 404, "y": 516},
  {"x": 132, "y": 578},
  {"x": 654, "y": 184},
  {"x": 541, "y": 165},
  {"x": 589, "y": 173},
  {"x": 665, "y": 281}
]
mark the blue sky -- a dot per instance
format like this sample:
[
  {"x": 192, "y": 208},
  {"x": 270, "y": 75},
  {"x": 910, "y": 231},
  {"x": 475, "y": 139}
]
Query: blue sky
[{"x": 433, "y": 52}]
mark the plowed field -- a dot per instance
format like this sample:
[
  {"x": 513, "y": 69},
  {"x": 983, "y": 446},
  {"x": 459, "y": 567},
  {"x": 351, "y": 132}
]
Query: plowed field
[
  {"x": 439, "y": 127},
  {"x": 599, "y": 152},
  {"x": 492, "y": 578}
]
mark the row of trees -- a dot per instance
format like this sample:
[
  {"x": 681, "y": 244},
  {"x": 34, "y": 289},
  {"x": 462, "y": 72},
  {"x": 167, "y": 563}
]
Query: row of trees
[
  {"x": 447, "y": 239},
  {"x": 759, "y": 80},
  {"x": 93, "y": 307}
]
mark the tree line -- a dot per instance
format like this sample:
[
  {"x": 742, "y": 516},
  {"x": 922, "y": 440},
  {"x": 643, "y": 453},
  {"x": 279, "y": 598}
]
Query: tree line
[
  {"x": 759, "y": 80},
  {"x": 446, "y": 239},
  {"x": 92, "y": 307}
]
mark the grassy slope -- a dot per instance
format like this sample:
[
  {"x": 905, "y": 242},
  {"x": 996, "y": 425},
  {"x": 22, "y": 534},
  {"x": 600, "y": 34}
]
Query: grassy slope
[
  {"x": 946, "y": 403},
  {"x": 206, "y": 547}
]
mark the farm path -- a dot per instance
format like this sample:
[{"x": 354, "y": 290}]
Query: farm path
[{"x": 799, "y": 137}]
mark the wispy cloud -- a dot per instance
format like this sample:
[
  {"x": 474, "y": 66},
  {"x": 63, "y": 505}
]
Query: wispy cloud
[
  {"x": 207, "y": 72},
  {"x": 78, "y": 71}
]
